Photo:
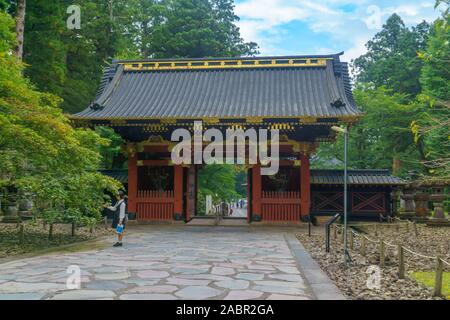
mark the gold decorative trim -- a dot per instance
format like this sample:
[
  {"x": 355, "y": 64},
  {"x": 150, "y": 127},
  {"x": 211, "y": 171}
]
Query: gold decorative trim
[
  {"x": 300, "y": 119},
  {"x": 211, "y": 120},
  {"x": 155, "y": 127},
  {"x": 281, "y": 126},
  {"x": 168, "y": 121},
  {"x": 139, "y": 163},
  {"x": 118, "y": 122},
  {"x": 308, "y": 119},
  {"x": 254, "y": 120},
  {"x": 223, "y": 64}
]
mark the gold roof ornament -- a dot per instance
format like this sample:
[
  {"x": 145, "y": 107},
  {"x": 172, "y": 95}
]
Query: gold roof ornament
[{"x": 223, "y": 64}]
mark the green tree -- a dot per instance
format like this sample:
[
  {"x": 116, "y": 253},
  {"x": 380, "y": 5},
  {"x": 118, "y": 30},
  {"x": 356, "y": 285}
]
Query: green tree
[
  {"x": 196, "y": 29},
  {"x": 391, "y": 59},
  {"x": 382, "y": 139},
  {"x": 45, "y": 50},
  {"x": 69, "y": 63},
  {"x": 241, "y": 181},
  {"x": 112, "y": 155},
  {"x": 218, "y": 181},
  {"x": 40, "y": 152},
  {"x": 431, "y": 126}
]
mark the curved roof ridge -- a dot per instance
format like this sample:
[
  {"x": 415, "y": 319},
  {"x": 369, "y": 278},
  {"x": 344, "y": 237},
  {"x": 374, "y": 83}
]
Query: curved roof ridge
[
  {"x": 289, "y": 89},
  {"x": 304, "y": 56}
]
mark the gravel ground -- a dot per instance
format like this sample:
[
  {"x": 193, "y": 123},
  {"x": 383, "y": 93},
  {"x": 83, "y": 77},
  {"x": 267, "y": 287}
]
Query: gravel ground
[
  {"x": 36, "y": 237},
  {"x": 352, "y": 281}
]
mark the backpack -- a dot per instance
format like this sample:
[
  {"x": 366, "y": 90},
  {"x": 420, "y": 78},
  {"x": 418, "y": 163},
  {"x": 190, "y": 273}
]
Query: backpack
[{"x": 115, "y": 221}]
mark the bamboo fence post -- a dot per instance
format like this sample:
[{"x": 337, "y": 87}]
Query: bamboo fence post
[
  {"x": 334, "y": 231},
  {"x": 351, "y": 239},
  {"x": 376, "y": 229},
  {"x": 363, "y": 246},
  {"x": 407, "y": 225},
  {"x": 438, "y": 278},
  {"x": 416, "y": 232},
  {"x": 382, "y": 253},
  {"x": 397, "y": 227},
  {"x": 401, "y": 262}
]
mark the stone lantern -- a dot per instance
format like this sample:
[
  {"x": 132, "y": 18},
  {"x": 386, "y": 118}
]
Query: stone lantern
[{"x": 438, "y": 197}]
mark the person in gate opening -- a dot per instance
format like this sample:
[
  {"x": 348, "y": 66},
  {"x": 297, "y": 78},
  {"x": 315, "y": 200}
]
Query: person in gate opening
[{"x": 120, "y": 217}]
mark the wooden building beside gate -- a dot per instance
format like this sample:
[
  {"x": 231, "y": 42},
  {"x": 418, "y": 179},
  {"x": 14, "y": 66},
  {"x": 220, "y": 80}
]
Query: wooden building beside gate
[{"x": 301, "y": 96}]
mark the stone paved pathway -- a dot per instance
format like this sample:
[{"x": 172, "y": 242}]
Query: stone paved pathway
[{"x": 159, "y": 262}]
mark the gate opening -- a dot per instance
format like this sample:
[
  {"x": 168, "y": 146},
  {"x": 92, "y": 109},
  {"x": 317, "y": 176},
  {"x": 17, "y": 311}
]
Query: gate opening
[{"x": 222, "y": 189}]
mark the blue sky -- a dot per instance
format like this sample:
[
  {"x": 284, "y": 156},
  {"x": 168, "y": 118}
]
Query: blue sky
[{"x": 291, "y": 27}]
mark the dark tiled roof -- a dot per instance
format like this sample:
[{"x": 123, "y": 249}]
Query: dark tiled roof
[
  {"x": 355, "y": 177},
  {"x": 291, "y": 91}
]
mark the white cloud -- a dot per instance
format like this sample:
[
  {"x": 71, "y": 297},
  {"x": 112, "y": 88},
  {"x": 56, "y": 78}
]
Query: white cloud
[{"x": 263, "y": 21}]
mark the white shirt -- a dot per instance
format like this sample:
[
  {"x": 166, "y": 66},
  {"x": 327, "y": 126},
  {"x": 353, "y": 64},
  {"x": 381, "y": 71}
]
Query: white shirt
[{"x": 121, "y": 204}]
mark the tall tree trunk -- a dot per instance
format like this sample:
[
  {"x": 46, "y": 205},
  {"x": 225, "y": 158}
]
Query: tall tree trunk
[{"x": 20, "y": 27}]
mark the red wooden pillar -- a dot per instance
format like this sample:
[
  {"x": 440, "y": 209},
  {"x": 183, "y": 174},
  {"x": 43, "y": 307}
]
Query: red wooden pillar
[
  {"x": 132, "y": 181},
  {"x": 305, "y": 185},
  {"x": 178, "y": 190},
  {"x": 256, "y": 192},
  {"x": 249, "y": 197},
  {"x": 190, "y": 192}
]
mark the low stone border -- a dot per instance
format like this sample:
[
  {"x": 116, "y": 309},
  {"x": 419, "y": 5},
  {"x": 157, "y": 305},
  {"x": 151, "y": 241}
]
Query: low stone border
[{"x": 321, "y": 286}]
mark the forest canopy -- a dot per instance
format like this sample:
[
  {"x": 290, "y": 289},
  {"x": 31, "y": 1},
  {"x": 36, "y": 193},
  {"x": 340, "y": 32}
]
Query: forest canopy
[{"x": 402, "y": 85}]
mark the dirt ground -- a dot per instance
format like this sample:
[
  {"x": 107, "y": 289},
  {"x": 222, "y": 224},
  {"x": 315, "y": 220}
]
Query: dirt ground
[
  {"x": 35, "y": 237},
  {"x": 353, "y": 280}
]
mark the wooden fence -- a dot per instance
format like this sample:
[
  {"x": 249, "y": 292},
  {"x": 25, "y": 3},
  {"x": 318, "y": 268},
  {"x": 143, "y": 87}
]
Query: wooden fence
[
  {"x": 280, "y": 206},
  {"x": 400, "y": 250}
]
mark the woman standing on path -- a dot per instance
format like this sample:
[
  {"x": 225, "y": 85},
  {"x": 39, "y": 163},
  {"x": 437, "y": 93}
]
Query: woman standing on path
[{"x": 120, "y": 219}]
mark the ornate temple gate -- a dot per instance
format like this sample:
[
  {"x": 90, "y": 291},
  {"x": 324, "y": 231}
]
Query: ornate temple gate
[
  {"x": 161, "y": 191},
  {"x": 145, "y": 101}
]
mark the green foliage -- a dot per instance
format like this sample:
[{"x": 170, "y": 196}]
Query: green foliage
[
  {"x": 65, "y": 62},
  {"x": 40, "y": 153},
  {"x": 197, "y": 28},
  {"x": 218, "y": 181},
  {"x": 392, "y": 60},
  {"x": 435, "y": 76},
  {"x": 431, "y": 126},
  {"x": 222, "y": 182},
  {"x": 381, "y": 136},
  {"x": 428, "y": 279},
  {"x": 51, "y": 216},
  {"x": 111, "y": 154},
  {"x": 241, "y": 181}
]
